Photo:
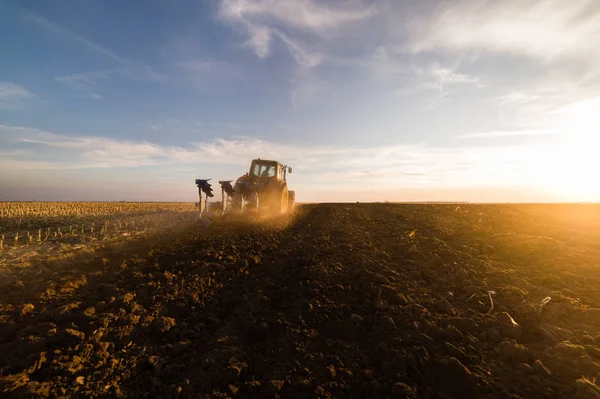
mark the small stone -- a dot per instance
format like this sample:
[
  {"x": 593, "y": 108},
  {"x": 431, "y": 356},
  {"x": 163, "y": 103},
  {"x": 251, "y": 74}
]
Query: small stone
[
  {"x": 126, "y": 298},
  {"x": 453, "y": 350},
  {"x": 465, "y": 325},
  {"x": 304, "y": 384},
  {"x": 90, "y": 311},
  {"x": 100, "y": 306},
  {"x": 383, "y": 348},
  {"x": 232, "y": 389},
  {"x": 540, "y": 369},
  {"x": 472, "y": 339},
  {"x": 512, "y": 352},
  {"x": 252, "y": 386},
  {"x": 380, "y": 278},
  {"x": 401, "y": 390},
  {"x": 128, "y": 320},
  {"x": 80, "y": 380},
  {"x": 452, "y": 333},
  {"x": 568, "y": 349},
  {"x": 387, "y": 323},
  {"x": 72, "y": 337},
  {"x": 451, "y": 375},
  {"x": 399, "y": 299},
  {"x": 493, "y": 335},
  {"x": 445, "y": 307},
  {"x": 276, "y": 386},
  {"x": 587, "y": 339},
  {"x": 356, "y": 319},
  {"x": 556, "y": 334},
  {"x": 258, "y": 331},
  {"x": 509, "y": 327},
  {"x": 593, "y": 351},
  {"x": 330, "y": 372},
  {"x": 163, "y": 324},
  {"x": 587, "y": 389},
  {"x": 177, "y": 391},
  {"x": 27, "y": 309},
  {"x": 524, "y": 368},
  {"x": 387, "y": 291},
  {"x": 156, "y": 382},
  {"x": 232, "y": 373}
]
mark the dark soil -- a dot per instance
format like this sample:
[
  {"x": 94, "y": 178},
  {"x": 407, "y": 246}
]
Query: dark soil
[{"x": 341, "y": 301}]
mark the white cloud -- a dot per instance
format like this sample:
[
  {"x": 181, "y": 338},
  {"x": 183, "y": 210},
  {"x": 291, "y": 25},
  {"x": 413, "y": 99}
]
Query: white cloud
[
  {"x": 259, "y": 40},
  {"x": 262, "y": 19},
  {"x": 307, "y": 15},
  {"x": 12, "y": 95},
  {"x": 316, "y": 166},
  {"x": 508, "y": 133},
  {"x": 299, "y": 53},
  {"x": 437, "y": 77},
  {"x": 518, "y": 97},
  {"x": 544, "y": 29}
]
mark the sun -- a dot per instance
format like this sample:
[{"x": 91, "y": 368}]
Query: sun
[{"x": 569, "y": 167}]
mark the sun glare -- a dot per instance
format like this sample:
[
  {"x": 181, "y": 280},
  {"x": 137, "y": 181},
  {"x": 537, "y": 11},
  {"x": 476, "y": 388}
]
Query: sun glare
[{"x": 569, "y": 167}]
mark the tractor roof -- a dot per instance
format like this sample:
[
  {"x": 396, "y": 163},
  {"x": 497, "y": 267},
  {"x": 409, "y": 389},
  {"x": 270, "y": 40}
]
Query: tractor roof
[{"x": 265, "y": 160}]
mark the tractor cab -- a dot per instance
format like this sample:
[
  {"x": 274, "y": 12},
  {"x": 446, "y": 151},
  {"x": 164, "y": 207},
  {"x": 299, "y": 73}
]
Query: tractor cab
[{"x": 264, "y": 169}]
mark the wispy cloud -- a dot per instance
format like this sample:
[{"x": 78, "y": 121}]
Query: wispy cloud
[
  {"x": 286, "y": 19},
  {"x": 544, "y": 29},
  {"x": 508, "y": 133},
  {"x": 12, "y": 95},
  {"x": 300, "y": 54},
  {"x": 81, "y": 81},
  {"x": 437, "y": 77},
  {"x": 308, "y": 15},
  {"x": 84, "y": 81},
  {"x": 259, "y": 39},
  {"x": 55, "y": 27},
  {"x": 340, "y": 166},
  {"x": 518, "y": 97}
]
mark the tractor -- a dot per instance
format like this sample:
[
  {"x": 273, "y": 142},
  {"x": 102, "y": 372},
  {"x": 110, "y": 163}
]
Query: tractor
[{"x": 263, "y": 189}]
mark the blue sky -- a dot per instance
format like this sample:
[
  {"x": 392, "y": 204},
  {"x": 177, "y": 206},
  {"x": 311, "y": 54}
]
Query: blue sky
[{"x": 368, "y": 100}]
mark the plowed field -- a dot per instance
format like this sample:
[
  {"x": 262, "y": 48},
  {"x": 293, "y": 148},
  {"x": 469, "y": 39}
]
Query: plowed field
[{"x": 340, "y": 301}]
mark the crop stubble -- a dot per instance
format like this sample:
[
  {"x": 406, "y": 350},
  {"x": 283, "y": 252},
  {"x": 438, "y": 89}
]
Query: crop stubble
[{"x": 342, "y": 300}]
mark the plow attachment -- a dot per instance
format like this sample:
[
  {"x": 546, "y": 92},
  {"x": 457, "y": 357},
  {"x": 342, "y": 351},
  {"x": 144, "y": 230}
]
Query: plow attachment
[{"x": 203, "y": 187}]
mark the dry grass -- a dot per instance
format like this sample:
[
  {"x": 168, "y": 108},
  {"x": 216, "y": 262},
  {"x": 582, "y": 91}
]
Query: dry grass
[{"x": 29, "y": 229}]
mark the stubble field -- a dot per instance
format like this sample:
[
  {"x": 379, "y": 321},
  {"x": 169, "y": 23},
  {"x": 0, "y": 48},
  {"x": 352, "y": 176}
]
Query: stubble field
[{"x": 338, "y": 300}]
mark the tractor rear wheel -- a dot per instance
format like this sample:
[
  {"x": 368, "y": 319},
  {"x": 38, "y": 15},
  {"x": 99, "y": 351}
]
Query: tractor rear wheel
[
  {"x": 281, "y": 205},
  {"x": 291, "y": 201}
]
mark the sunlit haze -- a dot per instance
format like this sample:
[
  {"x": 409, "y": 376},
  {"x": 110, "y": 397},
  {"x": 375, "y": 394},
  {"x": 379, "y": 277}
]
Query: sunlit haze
[{"x": 396, "y": 100}]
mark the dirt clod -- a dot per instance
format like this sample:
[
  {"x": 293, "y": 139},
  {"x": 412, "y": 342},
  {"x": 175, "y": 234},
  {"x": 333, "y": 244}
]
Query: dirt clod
[
  {"x": 163, "y": 324},
  {"x": 587, "y": 389},
  {"x": 26, "y": 309},
  {"x": 509, "y": 328},
  {"x": 540, "y": 369}
]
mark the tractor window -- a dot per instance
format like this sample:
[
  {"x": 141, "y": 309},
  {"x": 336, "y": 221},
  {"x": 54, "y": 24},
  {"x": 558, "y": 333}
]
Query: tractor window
[
  {"x": 261, "y": 170},
  {"x": 267, "y": 171},
  {"x": 256, "y": 169}
]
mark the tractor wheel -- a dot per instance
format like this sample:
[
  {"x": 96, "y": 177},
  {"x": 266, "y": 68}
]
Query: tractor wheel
[
  {"x": 281, "y": 201},
  {"x": 291, "y": 201}
]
